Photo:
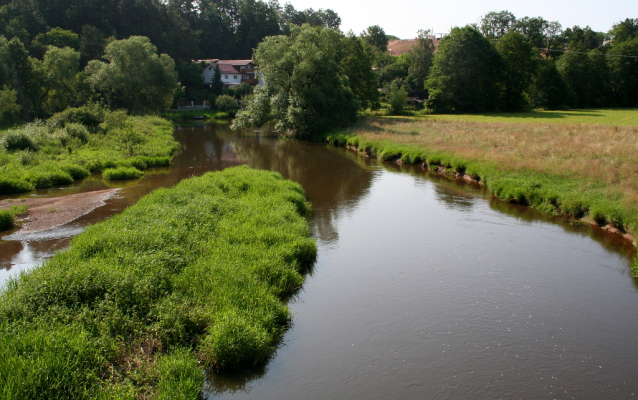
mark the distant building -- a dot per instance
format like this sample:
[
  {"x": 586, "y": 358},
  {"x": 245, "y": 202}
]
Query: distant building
[{"x": 233, "y": 72}]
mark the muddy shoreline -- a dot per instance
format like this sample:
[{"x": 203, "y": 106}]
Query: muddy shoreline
[{"x": 49, "y": 212}]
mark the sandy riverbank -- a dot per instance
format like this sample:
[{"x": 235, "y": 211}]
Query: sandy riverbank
[{"x": 49, "y": 212}]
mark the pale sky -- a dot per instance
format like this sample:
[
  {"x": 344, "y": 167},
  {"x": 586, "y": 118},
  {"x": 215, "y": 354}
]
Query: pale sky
[{"x": 403, "y": 18}]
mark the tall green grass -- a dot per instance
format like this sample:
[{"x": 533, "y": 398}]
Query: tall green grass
[
  {"x": 188, "y": 278},
  {"x": 78, "y": 142},
  {"x": 550, "y": 193},
  {"x": 7, "y": 216}
]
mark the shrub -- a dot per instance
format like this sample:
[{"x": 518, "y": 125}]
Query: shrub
[
  {"x": 11, "y": 185},
  {"x": 76, "y": 171},
  {"x": 398, "y": 100},
  {"x": 18, "y": 140},
  {"x": 121, "y": 173},
  {"x": 226, "y": 103},
  {"x": 77, "y": 131},
  {"x": 90, "y": 116},
  {"x": 45, "y": 178},
  {"x": 6, "y": 220}
]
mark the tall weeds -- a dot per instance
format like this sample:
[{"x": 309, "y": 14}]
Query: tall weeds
[{"x": 188, "y": 278}]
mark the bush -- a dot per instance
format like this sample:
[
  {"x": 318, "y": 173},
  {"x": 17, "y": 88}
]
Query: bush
[
  {"x": 11, "y": 185},
  {"x": 18, "y": 140},
  {"x": 226, "y": 103},
  {"x": 6, "y": 220},
  {"x": 398, "y": 100},
  {"x": 45, "y": 178},
  {"x": 121, "y": 173},
  {"x": 90, "y": 116}
]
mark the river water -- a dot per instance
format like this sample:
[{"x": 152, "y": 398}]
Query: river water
[{"x": 424, "y": 287}]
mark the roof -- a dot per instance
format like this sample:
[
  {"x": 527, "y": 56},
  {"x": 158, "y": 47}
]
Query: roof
[
  {"x": 227, "y": 69},
  {"x": 235, "y": 62},
  {"x": 402, "y": 46}
]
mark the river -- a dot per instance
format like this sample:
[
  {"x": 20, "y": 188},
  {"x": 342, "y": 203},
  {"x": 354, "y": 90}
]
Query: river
[{"x": 424, "y": 287}]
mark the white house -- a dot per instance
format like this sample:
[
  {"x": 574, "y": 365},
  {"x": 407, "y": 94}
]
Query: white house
[{"x": 233, "y": 72}]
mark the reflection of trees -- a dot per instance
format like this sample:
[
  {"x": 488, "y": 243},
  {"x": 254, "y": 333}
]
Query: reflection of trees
[{"x": 332, "y": 182}]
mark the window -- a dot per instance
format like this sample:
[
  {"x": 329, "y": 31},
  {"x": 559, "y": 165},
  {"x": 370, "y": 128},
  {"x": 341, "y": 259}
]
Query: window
[
  {"x": 225, "y": 76},
  {"x": 210, "y": 68},
  {"x": 235, "y": 77}
]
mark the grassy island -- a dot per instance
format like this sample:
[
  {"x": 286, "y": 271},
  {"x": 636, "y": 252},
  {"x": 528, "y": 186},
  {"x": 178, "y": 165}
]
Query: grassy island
[
  {"x": 79, "y": 142},
  {"x": 583, "y": 170},
  {"x": 189, "y": 278}
]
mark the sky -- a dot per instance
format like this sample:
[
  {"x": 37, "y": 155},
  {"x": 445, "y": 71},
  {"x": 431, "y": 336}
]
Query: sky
[{"x": 403, "y": 18}]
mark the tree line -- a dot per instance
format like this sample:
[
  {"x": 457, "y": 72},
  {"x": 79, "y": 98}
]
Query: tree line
[
  {"x": 123, "y": 53},
  {"x": 509, "y": 64}
]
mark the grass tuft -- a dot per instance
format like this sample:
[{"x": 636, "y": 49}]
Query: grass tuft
[{"x": 122, "y": 173}]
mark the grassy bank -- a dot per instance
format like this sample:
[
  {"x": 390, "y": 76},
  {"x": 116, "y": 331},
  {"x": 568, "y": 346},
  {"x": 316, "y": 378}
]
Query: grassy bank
[
  {"x": 7, "y": 217},
  {"x": 79, "y": 142},
  {"x": 186, "y": 279},
  {"x": 585, "y": 170},
  {"x": 205, "y": 115}
]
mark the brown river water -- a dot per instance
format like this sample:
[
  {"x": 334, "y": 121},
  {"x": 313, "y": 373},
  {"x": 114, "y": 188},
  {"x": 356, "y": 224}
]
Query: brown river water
[{"x": 425, "y": 287}]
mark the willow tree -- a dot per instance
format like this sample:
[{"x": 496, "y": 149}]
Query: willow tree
[
  {"x": 305, "y": 90},
  {"x": 135, "y": 77}
]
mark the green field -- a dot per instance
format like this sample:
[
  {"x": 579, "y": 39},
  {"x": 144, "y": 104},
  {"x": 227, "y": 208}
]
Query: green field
[
  {"x": 610, "y": 117},
  {"x": 189, "y": 278}
]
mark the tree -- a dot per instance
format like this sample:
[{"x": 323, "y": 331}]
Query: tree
[
  {"x": 92, "y": 44},
  {"x": 217, "y": 86},
  {"x": 519, "y": 60},
  {"x": 136, "y": 77},
  {"x": 59, "y": 69},
  {"x": 9, "y": 108},
  {"x": 466, "y": 73},
  {"x": 533, "y": 29},
  {"x": 375, "y": 36},
  {"x": 398, "y": 99},
  {"x": 624, "y": 31},
  {"x": 496, "y": 24},
  {"x": 305, "y": 89},
  {"x": 623, "y": 67},
  {"x": 548, "y": 89},
  {"x": 57, "y": 37},
  {"x": 421, "y": 57},
  {"x": 356, "y": 63}
]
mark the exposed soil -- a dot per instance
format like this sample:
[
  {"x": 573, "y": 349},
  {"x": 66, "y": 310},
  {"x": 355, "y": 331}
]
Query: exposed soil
[{"x": 47, "y": 213}]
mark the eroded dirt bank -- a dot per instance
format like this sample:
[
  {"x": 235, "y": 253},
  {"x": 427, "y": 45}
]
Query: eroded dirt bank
[{"x": 47, "y": 213}]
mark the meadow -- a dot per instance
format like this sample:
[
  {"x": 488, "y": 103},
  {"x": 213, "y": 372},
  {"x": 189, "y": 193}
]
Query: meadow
[
  {"x": 189, "y": 279},
  {"x": 584, "y": 169},
  {"x": 79, "y": 142}
]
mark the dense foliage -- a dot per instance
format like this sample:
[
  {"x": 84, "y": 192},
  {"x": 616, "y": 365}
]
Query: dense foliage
[
  {"x": 79, "y": 142},
  {"x": 310, "y": 77},
  {"x": 188, "y": 278}
]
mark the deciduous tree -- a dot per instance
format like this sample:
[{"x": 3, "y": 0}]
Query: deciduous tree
[
  {"x": 135, "y": 77},
  {"x": 305, "y": 88}
]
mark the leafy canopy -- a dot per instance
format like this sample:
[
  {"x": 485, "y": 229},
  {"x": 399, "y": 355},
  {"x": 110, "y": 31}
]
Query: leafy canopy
[
  {"x": 136, "y": 77},
  {"x": 306, "y": 91}
]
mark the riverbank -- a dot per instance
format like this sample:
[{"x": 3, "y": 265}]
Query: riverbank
[
  {"x": 40, "y": 214},
  {"x": 79, "y": 142},
  {"x": 189, "y": 278},
  {"x": 200, "y": 116},
  {"x": 584, "y": 171}
]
